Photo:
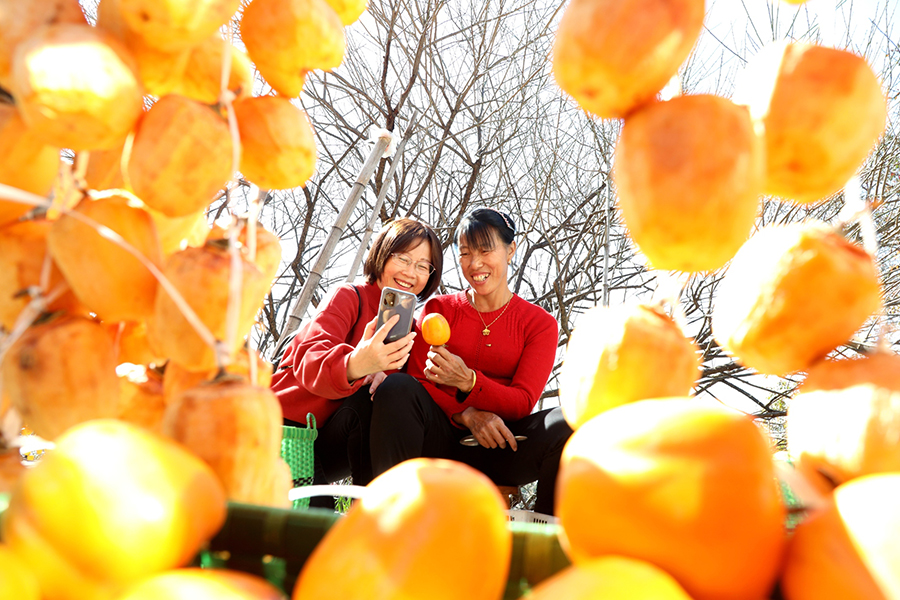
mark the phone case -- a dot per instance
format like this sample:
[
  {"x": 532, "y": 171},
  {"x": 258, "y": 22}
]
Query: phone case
[{"x": 394, "y": 301}]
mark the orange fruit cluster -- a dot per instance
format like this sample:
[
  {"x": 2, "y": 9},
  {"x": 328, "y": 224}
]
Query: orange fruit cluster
[
  {"x": 685, "y": 487},
  {"x": 119, "y": 302}
]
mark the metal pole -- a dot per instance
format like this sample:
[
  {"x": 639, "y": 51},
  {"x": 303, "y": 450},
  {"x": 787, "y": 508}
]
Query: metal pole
[
  {"x": 370, "y": 226},
  {"x": 606, "y": 243}
]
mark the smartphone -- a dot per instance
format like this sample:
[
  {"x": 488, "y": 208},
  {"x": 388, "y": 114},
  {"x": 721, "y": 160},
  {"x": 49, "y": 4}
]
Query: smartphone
[{"x": 396, "y": 302}]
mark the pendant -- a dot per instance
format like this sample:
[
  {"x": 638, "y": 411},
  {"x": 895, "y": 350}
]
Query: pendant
[{"x": 486, "y": 331}]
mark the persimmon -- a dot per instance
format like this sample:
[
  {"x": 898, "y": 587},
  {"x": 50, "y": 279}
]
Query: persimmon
[
  {"x": 776, "y": 306},
  {"x": 435, "y": 329},
  {"x": 104, "y": 169},
  {"x": 279, "y": 148},
  {"x": 62, "y": 372},
  {"x": 132, "y": 344},
  {"x": 159, "y": 70},
  {"x": 348, "y": 10},
  {"x": 201, "y": 78},
  {"x": 11, "y": 468},
  {"x": 20, "y": 18},
  {"x": 23, "y": 257},
  {"x": 683, "y": 483},
  {"x": 173, "y": 25},
  {"x": 622, "y": 354},
  {"x": 613, "y": 56},
  {"x": 267, "y": 250},
  {"x": 141, "y": 400},
  {"x": 288, "y": 38},
  {"x": 610, "y": 578},
  {"x": 109, "y": 280},
  {"x": 689, "y": 173},
  {"x": 192, "y": 584},
  {"x": 26, "y": 162},
  {"x": 178, "y": 233},
  {"x": 848, "y": 549},
  {"x": 109, "y": 506},
  {"x": 182, "y": 156},
  {"x": 76, "y": 87},
  {"x": 235, "y": 427},
  {"x": 393, "y": 543},
  {"x": 845, "y": 419},
  {"x": 822, "y": 110},
  {"x": 202, "y": 277},
  {"x": 176, "y": 378},
  {"x": 17, "y": 582}
]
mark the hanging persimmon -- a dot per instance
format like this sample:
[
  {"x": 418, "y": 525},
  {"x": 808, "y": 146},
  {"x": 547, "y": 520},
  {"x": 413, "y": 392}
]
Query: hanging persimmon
[
  {"x": 181, "y": 157},
  {"x": 286, "y": 39}
]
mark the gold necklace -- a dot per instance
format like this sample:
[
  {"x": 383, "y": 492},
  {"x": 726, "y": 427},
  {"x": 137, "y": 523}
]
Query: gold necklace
[{"x": 487, "y": 331}]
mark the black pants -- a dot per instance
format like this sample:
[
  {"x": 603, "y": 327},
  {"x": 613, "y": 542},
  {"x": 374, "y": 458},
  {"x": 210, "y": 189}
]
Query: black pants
[
  {"x": 341, "y": 448},
  {"x": 407, "y": 423}
]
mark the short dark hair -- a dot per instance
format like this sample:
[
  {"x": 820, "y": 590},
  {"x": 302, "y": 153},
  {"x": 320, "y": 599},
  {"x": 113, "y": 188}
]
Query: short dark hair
[
  {"x": 399, "y": 236},
  {"x": 478, "y": 226}
]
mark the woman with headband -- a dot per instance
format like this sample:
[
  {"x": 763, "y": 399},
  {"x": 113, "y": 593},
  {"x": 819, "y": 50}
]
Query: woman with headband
[{"x": 485, "y": 382}]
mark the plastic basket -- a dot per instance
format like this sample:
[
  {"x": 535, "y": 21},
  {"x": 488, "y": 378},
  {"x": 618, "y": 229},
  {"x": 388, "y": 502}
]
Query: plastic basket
[{"x": 297, "y": 451}]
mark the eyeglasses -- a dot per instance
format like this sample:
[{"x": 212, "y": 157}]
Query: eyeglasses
[{"x": 423, "y": 267}]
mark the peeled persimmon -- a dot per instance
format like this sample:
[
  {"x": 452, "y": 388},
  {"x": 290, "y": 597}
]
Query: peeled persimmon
[
  {"x": 141, "y": 400},
  {"x": 26, "y": 162},
  {"x": 685, "y": 484},
  {"x": 348, "y": 10},
  {"x": 689, "y": 173},
  {"x": 610, "y": 578},
  {"x": 182, "y": 156},
  {"x": 60, "y": 373},
  {"x": 17, "y": 582},
  {"x": 848, "y": 549},
  {"x": 844, "y": 421},
  {"x": 822, "y": 110},
  {"x": 266, "y": 251},
  {"x": 202, "y": 276},
  {"x": 104, "y": 169},
  {"x": 201, "y": 78},
  {"x": 109, "y": 280},
  {"x": 176, "y": 378},
  {"x": 435, "y": 329},
  {"x": 159, "y": 69},
  {"x": 20, "y": 18},
  {"x": 278, "y": 145},
  {"x": 173, "y": 25},
  {"x": 195, "y": 583},
  {"x": 76, "y": 87},
  {"x": 286, "y": 39},
  {"x": 792, "y": 294},
  {"x": 394, "y": 541},
  {"x": 178, "y": 233},
  {"x": 235, "y": 427},
  {"x": 613, "y": 56},
  {"x": 135, "y": 504},
  {"x": 132, "y": 344},
  {"x": 23, "y": 258},
  {"x": 622, "y": 354}
]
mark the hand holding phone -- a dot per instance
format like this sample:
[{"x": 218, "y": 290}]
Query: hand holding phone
[{"x": 396, "y": 302}]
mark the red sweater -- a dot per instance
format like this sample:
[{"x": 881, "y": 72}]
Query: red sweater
[
  {"x": 313, "y": 373},
  {"x": 512, "y": 364}
]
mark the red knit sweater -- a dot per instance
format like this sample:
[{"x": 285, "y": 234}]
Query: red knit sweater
[
  {"x": 313, "y": 373},
  {"x": 512, "y": 364}
]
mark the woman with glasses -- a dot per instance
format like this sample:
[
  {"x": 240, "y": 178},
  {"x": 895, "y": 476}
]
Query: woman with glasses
[
  {"x": 337, "y": 359},
  {"x": 472, "y": 399}
]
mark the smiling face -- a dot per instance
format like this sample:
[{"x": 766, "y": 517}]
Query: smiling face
[
  {"x": 486, "y": 268},
  {"x": 408, "y": 278}
]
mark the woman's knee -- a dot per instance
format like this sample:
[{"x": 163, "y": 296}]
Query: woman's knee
[{"x": 397, "y": 389}]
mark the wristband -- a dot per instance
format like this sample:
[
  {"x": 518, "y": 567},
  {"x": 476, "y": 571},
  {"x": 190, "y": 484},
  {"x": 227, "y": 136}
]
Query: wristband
[{"x": 474, "y": 380}]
